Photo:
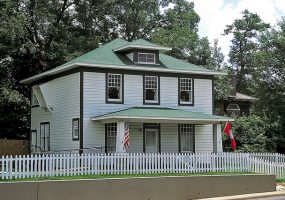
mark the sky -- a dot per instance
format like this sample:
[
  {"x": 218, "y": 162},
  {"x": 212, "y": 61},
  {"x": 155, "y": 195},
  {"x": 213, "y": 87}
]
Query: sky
[{"x": 216, "y": 14}]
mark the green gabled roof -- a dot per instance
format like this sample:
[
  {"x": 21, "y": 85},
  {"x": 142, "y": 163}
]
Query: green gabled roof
[
  {"x": 156, "y": 114},
  {"x": 106, "y": 57}
]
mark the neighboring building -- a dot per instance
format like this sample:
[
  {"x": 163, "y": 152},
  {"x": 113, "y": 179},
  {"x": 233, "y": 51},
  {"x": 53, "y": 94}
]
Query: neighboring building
[
  {"x": 237, "y": 104},
  {"x": 84, "y": 104}
]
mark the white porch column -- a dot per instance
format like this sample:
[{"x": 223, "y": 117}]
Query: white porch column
[
  {"x": 120, "y": 137},
  {"x": 218, "y": 142}
]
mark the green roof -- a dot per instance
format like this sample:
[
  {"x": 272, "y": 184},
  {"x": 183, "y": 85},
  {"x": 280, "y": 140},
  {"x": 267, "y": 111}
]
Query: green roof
[
  {"x": 105, "y": 55},
  {"x": 155, "y": 114}
]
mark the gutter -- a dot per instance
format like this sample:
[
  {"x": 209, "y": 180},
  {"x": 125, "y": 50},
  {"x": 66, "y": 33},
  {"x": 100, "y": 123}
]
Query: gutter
[{"x": 122, "y": 67}]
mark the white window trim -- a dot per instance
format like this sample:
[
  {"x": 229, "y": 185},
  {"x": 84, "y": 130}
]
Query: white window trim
[
  {"x": 110, "y": 125},
  {"x": 192, "y": 95},
  {"x": 121, "y": 88},
  {"x": 146, "y": 58},
  {"x": 157, "y": 91},
  {"x": 191, "y": 134},
  {"x": 34, "y": 100},
  {"x": 74, "y": 121}
]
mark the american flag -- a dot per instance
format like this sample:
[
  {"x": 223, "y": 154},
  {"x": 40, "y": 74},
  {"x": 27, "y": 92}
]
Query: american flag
[{"x": 126, "y": 140}]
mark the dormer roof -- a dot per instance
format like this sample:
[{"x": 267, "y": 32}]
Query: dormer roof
[
  {"x": 142, "y": 45},
  {"x": 109, "y": 56}
]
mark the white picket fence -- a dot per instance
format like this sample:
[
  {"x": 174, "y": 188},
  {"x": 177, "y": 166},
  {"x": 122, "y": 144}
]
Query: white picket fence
[{"x": 48, "y": 165}]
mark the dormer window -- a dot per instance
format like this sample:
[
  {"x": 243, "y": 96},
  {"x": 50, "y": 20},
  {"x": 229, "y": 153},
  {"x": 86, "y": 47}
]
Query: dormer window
[{"x": 146, "y": 58}]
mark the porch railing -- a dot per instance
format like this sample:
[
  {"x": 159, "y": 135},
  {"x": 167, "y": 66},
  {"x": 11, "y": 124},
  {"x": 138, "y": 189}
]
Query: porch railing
[{"x": 48, "y": 165}]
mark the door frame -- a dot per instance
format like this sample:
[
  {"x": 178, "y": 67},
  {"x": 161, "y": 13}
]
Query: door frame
[{"x": 152, "y": 126}]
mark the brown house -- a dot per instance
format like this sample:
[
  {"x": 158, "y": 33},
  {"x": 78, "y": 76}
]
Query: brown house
[{"x": 237, "y": 104}]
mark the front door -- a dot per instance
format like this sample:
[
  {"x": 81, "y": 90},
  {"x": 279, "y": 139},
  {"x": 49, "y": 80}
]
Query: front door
[{"x": 151, "y": 140}]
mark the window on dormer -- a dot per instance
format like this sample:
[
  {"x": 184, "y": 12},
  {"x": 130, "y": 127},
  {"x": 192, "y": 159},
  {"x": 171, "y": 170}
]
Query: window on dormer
[
  {"x": 114, "y": 87},
  {"x": 147, "y": 58}
]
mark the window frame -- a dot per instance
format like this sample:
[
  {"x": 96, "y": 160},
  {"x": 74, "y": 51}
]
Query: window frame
[
  {"x": 36, "y": 139},
  {"x": 179, "y": 138},
  {"x": 74, "y": 138},
  {"x": 33, "y": 98},
  {"x": 151, "y": 102},
  {"x": 115, "y": 101},
  {"x": 192, "y": 92},
  {"x": 143, "y": 53},
  {"x": 46, "y": 139},
  {"x": 110, "y": 149}
]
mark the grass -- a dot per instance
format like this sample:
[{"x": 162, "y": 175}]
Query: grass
[{"x": 104, "y": 176}]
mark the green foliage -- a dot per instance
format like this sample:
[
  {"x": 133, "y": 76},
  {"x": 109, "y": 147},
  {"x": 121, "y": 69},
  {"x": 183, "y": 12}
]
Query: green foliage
[
  {"x": 269, "y": 81},
  {"x": 251, "y": 134},
  {"x": 179, "y": 29},
  {"x": 245, "y": 32}
]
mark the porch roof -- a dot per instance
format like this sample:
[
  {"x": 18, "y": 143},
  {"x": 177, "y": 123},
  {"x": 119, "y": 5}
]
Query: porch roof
[{"x": 159, "y": 115}]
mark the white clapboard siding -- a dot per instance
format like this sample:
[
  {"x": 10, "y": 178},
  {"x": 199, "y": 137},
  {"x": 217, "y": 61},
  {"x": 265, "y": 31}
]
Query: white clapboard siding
[
  {"x": 95, "y": 104},
  {"x": 204, "y": 138},
  {"x": 66, "y": 100},
  {"x": 52, "y": 165}
]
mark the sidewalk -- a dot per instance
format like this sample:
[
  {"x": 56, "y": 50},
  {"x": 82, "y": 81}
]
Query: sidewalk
[
  {"x": 249, "y": 196},
  {"x": 280, "y": 191}
]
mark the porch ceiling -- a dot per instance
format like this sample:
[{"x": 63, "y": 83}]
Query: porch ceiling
[{"x": 159, "y": 115}]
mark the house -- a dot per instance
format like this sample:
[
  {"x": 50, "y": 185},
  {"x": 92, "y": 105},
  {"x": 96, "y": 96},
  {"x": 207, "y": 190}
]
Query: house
[
  {"x": 83, "y": 105},
  {"x": 237, "y": 104}
]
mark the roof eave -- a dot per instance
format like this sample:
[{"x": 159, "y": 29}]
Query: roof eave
[
  {"x": 122, "y": 67},
  {"x": 145, "y": 47},
  {"x": 159, "y": 119}
]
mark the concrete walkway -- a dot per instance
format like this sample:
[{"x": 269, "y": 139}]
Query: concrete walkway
[{"x": 280, "y": 192}]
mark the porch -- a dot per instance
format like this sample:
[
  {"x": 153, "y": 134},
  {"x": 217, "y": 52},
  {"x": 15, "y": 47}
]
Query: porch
[{"x": 156, "y": 130}]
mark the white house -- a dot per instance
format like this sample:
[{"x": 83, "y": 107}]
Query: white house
[{"x": 84, "y": 104}]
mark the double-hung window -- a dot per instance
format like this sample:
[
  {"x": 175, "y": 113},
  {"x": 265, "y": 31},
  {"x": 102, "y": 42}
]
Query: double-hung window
[
  {"x": 186, "y": 91},
  {"x": 111, "y": 135},
  {"x": 146, "y": 58},
  {"x": 114, "y": 88},
  {"x": 75, "y": 129},
  {"x": 151, "y": 89},
  {"x": 45, "y": 136},
  {"x": 186, "y": 137}
]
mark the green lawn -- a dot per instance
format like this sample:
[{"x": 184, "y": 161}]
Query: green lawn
[{"x": 101, "y": 176}]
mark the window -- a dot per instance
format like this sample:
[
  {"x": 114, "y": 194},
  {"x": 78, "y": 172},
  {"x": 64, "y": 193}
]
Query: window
[
  {"x": 111, "y": 134},
  {"x": 45, "y": 136},
  {"x": 114, "y": 88},
  {"x": 148, "y": 58},
  {"x": 75, "y": 129},
  {"x": 34, "y": 100},
  {"x": 186, "y": 137},
  {"x": 185, "y": 91},
  {"x": 151, "y": 89}
]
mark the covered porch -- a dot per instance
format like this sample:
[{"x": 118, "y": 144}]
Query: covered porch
[{"x": 156, "y": 130}]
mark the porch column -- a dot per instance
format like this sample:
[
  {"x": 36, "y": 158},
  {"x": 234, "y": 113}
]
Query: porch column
[
  {"x": 120, "y": 137},
  {"x": 218, "y": 142}
]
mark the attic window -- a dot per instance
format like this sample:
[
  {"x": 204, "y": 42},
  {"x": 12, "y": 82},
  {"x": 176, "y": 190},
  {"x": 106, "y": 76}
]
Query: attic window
[{"x": 147, "y": 58}]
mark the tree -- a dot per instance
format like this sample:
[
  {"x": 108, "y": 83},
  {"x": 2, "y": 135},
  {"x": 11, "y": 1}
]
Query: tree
[
  {"x": 179, "y": 29},
  {"x": 269, "y": 81},
  {"x": 250, "y": 134},
  {"x": 215, "y": 62},
  {"x": 245, "y": 33},
  {"x": 137, "y": 19}
]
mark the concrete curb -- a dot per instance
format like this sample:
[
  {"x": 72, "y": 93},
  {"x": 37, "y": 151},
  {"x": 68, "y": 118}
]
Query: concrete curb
[{"x": 249, "y": 196}]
